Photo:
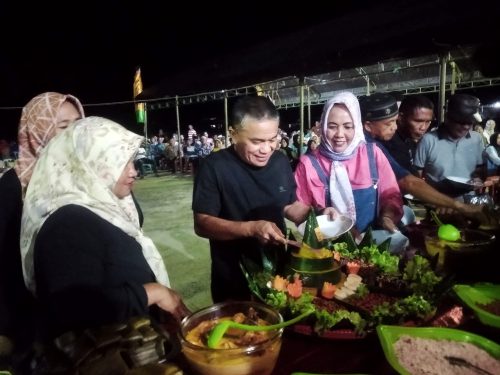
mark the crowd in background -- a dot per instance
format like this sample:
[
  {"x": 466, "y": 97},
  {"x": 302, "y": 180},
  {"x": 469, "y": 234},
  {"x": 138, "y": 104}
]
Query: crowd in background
[
  {"x": 169, "y": 154},
  {"x": 165, "y": 152}
]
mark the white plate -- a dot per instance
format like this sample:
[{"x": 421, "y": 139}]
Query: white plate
[
  {"x": 466, "y": 182},
  {"x": 330, "y": 228}
]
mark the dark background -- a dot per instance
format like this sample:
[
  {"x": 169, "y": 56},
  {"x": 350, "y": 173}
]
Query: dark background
[{"x": 91, "y": 50}]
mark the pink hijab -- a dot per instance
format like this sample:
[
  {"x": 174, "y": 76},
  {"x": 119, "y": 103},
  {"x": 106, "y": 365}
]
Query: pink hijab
[{"x": 36, "y": 129}]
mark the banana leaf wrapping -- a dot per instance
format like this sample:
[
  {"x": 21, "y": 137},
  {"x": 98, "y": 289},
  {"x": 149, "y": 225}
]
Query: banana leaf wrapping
[{"x": 312, "y": 235}]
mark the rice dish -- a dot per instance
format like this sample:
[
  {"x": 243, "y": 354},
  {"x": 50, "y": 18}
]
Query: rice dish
[{"x": 421, "y": 356}]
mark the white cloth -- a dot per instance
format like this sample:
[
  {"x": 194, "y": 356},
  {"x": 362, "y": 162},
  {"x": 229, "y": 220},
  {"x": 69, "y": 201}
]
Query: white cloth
[
  {"x": 81, "y": 166},
  {"x": 341, "y": 191}
]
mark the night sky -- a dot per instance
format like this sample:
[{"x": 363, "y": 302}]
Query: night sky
[
  {"x": 93, "y": 54},
  {"x": 92, "y": 51}
]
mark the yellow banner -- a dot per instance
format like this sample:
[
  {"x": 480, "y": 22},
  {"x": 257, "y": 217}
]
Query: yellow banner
[
  {"x": 139, "y": 107},
  {"x": 137, "y": 82}
]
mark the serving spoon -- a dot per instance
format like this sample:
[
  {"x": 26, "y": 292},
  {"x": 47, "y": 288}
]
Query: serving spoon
[
  {"x": 447, "y": 232},
  {"x": 220, "y": 328}
]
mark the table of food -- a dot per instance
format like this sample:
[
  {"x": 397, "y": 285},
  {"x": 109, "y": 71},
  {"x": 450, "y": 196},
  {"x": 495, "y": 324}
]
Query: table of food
[
  {"x": 332, "y": 304},
  {"x": 377, "y": 312}
]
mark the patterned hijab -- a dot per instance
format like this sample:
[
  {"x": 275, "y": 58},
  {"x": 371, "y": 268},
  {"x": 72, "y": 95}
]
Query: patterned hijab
[
  {"x": 37, "y": 127},
  {"x": 81, "y": 166},
  {"x": 340, "y": 187}
]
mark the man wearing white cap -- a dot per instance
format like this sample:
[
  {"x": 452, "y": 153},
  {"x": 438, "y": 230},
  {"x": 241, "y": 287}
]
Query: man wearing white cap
[{"x": 453, "y": 152}]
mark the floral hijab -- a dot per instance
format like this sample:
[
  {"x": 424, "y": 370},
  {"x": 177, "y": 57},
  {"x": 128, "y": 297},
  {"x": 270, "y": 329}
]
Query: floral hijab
[
  {"x": 37, "y": 127},
  {"x": 340, "y": 187},
  {"x": 81, "y": 166}
]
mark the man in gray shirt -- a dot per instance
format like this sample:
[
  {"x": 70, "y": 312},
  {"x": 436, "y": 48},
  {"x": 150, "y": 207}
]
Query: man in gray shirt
[{"x": 452, "y": 150}]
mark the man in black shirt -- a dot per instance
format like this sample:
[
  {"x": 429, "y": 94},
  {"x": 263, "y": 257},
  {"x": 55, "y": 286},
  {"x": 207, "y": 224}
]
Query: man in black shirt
[
  {"x": 241, "y": 195},
  {"x": 416, "y": 113}
]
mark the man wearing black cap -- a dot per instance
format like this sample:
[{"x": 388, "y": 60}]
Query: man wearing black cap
[
  {"x": 379, "y": 113},
  {"x": 453, "y": 151}
]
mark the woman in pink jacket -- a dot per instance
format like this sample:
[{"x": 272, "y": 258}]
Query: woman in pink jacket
[{"x": 346, "y": 175}]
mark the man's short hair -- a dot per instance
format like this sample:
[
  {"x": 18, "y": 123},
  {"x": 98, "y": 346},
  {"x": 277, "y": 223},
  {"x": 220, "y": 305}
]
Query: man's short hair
[
  {"x": 412, "y": 102},
  {"x": 256, "y": 107}
]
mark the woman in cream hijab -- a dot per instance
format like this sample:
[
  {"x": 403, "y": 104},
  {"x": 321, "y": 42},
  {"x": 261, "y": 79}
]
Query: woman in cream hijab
[{"x": 83, "y": 251}]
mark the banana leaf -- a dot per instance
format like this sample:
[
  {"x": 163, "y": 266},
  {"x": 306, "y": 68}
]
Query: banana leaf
[
  {"x": 310, "y": 237},
  {"x": 385, "y": 246},
  {"x": 252, "y": 270},
  {"x": 268, "y": 260},
  {"x": 367, "y": 239},
  {"x": 348, "y": 239}
]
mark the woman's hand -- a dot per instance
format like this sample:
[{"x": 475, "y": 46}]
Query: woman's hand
[
  {"x": 387, "y": 223},
  {"x": 166, "y": 299},
  {"x": 331, "y": 212}
]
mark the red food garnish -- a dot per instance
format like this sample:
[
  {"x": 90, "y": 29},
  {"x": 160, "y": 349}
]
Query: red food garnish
[
  {"x": 353, "y": 267},
  {"x": 328, "y": 290},
  {"x": 280, "y": 283},
  {"x": 295, "y": 289}
]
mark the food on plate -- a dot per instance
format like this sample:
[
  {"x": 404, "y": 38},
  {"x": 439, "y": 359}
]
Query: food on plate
[
  {"x": 328, "y": 290},
  {"x": 349, "y": 286},
  {"x": 429, "y": 356},
  {"x": 370, "y": 286},
  {"x": 353, "y": 267}
]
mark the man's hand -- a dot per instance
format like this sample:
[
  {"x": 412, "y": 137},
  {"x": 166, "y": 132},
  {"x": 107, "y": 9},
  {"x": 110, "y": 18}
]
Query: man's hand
[
  {"x": 267, "y": 232},
  {"x": 477, "y": 213}
]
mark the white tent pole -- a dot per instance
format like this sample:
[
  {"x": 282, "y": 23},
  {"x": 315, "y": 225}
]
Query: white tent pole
[
  {"x": 178, "y": 129},
  {"x": 443, "y": 59},
  {"x": 226, "y": 121},
  {"x": 309, "y": 123}
]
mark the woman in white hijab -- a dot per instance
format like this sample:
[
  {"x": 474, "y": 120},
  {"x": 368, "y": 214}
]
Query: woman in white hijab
[
  {"x": 83, "y": 251},
  {"x": 346, "y": 175}
]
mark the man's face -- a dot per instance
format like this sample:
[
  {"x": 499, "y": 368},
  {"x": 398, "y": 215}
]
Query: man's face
[
  {"x": 457, "y": 130},
  {"x": 417, "y": 122},
  {"x": 382, "y": 130},
  {"x": 256, "y": 141}
]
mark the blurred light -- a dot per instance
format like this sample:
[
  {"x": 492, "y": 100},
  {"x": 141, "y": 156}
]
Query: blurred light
[{"x": 496, "y": 105}]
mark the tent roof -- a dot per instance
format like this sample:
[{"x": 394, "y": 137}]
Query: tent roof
[{"x": 392, "y": 35}]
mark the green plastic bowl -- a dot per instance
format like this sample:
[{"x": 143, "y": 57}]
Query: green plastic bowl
[
  {"x": 388, "y": 335},
  {"x": 472, "y": 295}
]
